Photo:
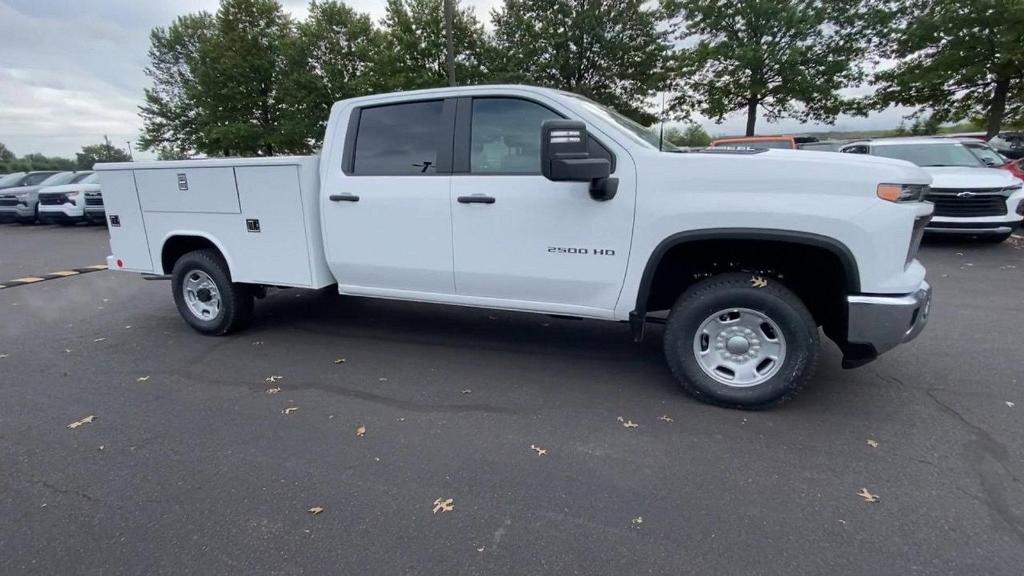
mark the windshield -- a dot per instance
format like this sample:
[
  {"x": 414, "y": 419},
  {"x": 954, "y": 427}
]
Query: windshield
[
  {"x": 92, "y": 178},
  {"x": 754, "y": 144},
  {"x": 10, "y": 180},
  {"x": 58, "y": 179},
  {"x": 986, "y": 154},
  {"x": 80, "y": 177},
  {"x": 640, "y": 133},
  {"x": 951, "y": 154}
]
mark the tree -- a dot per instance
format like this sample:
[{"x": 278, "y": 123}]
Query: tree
[
  {"x": 611, "y": 51},
  {"x": 960, "y": 59},
  {"x": 926, "y": 125},
  {"x": 5, "y": 154},
  {"x": 329, "y": 58},
  {"x": 236, "y": 71},
  {"x": 785, "y": 58},
  {"x": 171, "y": 117},
  {"x": 103, "y": 152},
  {"x": 694, "y": 136},
  {"x": 413, "y": 47}
]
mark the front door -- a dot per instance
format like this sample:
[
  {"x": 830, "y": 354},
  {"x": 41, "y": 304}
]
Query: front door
[
  {"x": 521, "y": 240},
  {"x": 386, "y": 205}
]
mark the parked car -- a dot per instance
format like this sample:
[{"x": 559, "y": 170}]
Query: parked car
[
  {"x": 991, "y": 157},
  {"x": 18, "y": 179},
  {"x": 1009, "y": 144},
  {"x": 823, "y": 145},
  {"x": 756, "y": 142},
  {"x": 21, "y": 203},
  {"x": 542, "y": 201},
  {"x": 66, "y": 204},
  {"x": 970, "y": 198}
]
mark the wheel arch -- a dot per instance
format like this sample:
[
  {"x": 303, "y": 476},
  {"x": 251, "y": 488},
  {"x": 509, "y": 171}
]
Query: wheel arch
[
  {"x": 678, "y": 243},
  {"x": 180, "y": 242}
]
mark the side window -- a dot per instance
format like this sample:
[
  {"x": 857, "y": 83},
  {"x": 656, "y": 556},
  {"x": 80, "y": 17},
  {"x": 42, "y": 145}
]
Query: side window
[
  {"x": 505, "y": 136},
  {"x": 856, "y": 150},
  {"x": 34, "y": 179},
  {"x": 398, "y": 139}
]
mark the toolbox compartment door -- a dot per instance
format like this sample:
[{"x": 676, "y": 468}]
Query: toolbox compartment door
[
  {"x": 128, "y": 241},
  {"x": 208, "y": 190}
]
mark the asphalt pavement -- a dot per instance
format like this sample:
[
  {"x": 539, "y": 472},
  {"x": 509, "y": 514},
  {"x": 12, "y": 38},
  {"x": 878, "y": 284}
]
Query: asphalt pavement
[{"x": 194, "y": 464}]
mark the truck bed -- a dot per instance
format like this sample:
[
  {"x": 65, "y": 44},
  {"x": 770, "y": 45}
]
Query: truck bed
[{"x": 263, "y": 214}]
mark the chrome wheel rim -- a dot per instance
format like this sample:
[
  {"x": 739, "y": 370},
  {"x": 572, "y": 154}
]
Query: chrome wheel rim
[
  {"x": 201, "y": 295},
  {"x": 739, "y": 347}
]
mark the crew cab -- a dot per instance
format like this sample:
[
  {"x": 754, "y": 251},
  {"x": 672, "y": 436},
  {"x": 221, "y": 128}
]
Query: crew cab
[
  {"x": 970, "y": 198},
  {"x": 542, "y": 201}
]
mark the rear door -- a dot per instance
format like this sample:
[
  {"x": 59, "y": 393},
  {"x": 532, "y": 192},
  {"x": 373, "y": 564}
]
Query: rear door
[
  {"x": 520, "y": 238},
  {"x": 385, "y": 203}
]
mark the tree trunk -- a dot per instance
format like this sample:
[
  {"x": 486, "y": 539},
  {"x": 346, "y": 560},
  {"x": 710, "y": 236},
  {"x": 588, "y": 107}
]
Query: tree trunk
[
  {"x": 751, "y": 115},
  {"x": 997, "y": 107}
]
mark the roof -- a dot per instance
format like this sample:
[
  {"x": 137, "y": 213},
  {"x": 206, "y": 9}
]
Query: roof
[{"x": 902, "y": 140}]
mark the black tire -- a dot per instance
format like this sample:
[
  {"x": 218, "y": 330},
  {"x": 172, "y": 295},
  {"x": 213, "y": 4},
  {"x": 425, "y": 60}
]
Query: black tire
[
  {"x": 995, "y": 238},
  {"x": 236, "y": 300},
  {"x": 738, "y": 290}
]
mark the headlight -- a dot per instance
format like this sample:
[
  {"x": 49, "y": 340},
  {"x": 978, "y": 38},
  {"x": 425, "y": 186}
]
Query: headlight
[
  {"x": 23, "y": 197},
  {"x": 71, "y": 195},
  {"x": 903, "y": 192}
]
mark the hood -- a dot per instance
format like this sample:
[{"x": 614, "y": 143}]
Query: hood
[
  {"x": 966, "y": 177},
  {"x": 844, "y": 165},
  {"x": 71, "y": 188}
]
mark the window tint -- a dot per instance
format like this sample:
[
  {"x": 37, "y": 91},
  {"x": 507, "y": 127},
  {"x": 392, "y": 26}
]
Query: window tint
[
  {"x": 399, "y": 139},
  {"x": 80, "y": 177},
  {"x": 33, "y": 179},
  {"x": 506, "y": 135}
]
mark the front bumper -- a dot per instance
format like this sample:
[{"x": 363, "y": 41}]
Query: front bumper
[
  {"x": 19, "y": 212},
  {"x": 877, "y": 324}
]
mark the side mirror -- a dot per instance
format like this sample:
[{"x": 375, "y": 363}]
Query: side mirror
[
  {"x": 989, "y": 162},
  {"x": 565, "y": 157}
]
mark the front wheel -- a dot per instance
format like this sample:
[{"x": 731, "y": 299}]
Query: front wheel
[
  {"x": 206, "y": 297},
  {"x": 742, "y": 341}
]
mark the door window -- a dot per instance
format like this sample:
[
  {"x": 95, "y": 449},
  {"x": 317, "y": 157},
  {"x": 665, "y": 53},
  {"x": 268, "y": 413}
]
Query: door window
[
  {"x": 506, "y": 136},
  {"x": 399, "y": 139}
]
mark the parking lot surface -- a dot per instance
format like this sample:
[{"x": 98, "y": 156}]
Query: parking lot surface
[{"x": 194, "y": 464}]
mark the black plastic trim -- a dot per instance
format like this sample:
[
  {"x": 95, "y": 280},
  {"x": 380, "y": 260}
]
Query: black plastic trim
[{"x": 838, "y": 248}]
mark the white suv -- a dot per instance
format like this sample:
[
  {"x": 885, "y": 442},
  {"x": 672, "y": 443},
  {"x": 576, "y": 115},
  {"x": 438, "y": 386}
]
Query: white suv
[
  {"x": 67, "y": 204},
  {"x": 970, "y": 198}
]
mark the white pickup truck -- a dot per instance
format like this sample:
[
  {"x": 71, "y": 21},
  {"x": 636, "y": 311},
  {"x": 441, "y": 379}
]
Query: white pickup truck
[{"x": 536, "y": 200}]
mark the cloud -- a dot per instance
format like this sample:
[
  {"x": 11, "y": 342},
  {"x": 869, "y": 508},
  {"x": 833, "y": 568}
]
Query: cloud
[{"x": 71, "y": 71}]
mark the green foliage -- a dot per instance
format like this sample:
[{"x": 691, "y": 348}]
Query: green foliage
[
  {"x": 611, "y": 51},
  {"x": 926, "y": 125},
  {"x": 329, "y": 58},
  {"x": 413, "y": 46},
  {"x": 694, "y": 136},
  {"x": 103, "y": 152},
  {"x": 785, "y": 58},
  {"x": 9, "y": 162},
  {"x": 959, "y": 59}
]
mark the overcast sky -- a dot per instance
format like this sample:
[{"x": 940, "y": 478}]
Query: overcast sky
[{"x": 71, "y": 70}]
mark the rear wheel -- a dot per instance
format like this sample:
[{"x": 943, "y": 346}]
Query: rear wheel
[
  {"x": 741, "y": 341},
  {"x": 206, "y": 297}
]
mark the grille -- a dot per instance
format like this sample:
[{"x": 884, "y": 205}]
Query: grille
[
  {"x": 52, "y": 199},
  {"x": 94, "y": 201},
  {"x": 8, "y": 201},
  {"x": 973, "y": 204}
]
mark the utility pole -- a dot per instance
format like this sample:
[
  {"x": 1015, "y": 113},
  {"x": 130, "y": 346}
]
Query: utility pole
[
  {"x": 131, "y": 157},
  {"x": 450, "y": 40}
]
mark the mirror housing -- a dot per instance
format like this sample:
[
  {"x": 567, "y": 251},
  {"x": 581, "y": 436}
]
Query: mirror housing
[{"x": 565, "y": 157}]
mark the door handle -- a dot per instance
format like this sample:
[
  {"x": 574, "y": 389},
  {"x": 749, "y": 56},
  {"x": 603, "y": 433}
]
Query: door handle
[
  {"x": 344, "y": 198},
  {"x": 476, "y": 199}
]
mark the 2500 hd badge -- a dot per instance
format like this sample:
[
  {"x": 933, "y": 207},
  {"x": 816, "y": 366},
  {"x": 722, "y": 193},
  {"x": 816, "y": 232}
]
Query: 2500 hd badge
[{"x": 594, "y": 251}]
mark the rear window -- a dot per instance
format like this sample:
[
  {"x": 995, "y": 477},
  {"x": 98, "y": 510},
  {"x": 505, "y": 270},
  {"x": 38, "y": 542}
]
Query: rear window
[{"x": 398, "y": 139}]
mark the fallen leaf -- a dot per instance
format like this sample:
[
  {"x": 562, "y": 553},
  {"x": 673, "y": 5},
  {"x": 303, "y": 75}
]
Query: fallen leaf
[
  {"x": 273, "y": 390},
  {"x": 443, "y": 505},
  {"x": 361, "y": 431},
  {"x": 867, "y": 496},
  {"x": 98, "y": 339},
  {"x": 1010, "y": 404},
  {"x": 382, "y": 379},
  {"x": 87, "y": 420},
  {"x": 106, "y": 299},
  {"x": 339, "y": 361},
  {"x": 315, "y": 510},
  {"x": 257, "y": 342},
  {"x": 289, "y": 410},
  {"x": 872, "y": 443},
  {"x": 627, "y": 423},
  {"x": 467, "y": 391},
  {"x": 101, "y": 446},
  {"x": 540, "y": 451},
  {"x": 638, "y": 520},
  {"x": 142, "y": 378},
  {"x": 758, "y": 281},
  {"x": 665, "y": 418},
  {"x": 481, "y": 549},
  {"x": 128, "y": 327},
  {"x": 273, "y": 379},
  {"x": 67, "y": 350}
]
